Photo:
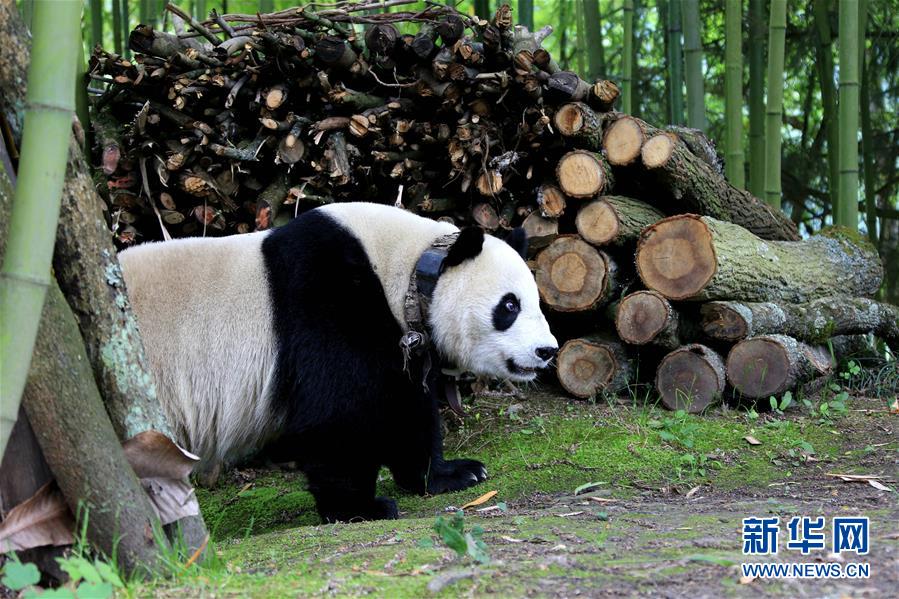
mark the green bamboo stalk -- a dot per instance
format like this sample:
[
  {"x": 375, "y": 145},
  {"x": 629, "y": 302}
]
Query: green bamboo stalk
[
  {"x": 526, "y": 13},
  {"x": 777, "y": 29},
  {"x": 636, "y": 82},
  {"x": 595, "y": 51},
  {"x": 675, "y": 64},
  {"x": 563, "y": 38},
  {"x": 25, "y": 275},
  {"x": 96, "y": 22},
  {"x": 266, "y": 6},
  {"x": 81, "y": 102},
  {"x": 27, "y": 12},
  {"x": 733, "y": 84},
  {"x": 200, "y": 12},
  {"x": 482, "y": 9},
  {"x": 846, "y": 212},
  {"x": 867, "y": 131},
  {"x": 757, "y": 97},
  {"x": 126, "y": 27},
  {"x": 627, "y": 58},
  {"x": 116, "y": 26},
  {"x": 693, "y": 65},
  {"x": 824, "y": 64},
  {"x": 579, "y": 31}
]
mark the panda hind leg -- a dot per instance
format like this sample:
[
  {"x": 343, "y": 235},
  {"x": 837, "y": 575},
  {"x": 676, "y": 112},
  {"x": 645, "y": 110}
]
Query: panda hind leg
[{"x": 346, "y": 493}]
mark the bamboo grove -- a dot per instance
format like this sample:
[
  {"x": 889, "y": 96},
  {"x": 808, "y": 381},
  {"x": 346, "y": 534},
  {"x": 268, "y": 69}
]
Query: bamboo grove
[{"x": 714, "y": 65}]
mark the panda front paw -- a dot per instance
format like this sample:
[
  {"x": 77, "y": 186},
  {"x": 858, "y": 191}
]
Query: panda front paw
[{"x": 455, "y": 475}]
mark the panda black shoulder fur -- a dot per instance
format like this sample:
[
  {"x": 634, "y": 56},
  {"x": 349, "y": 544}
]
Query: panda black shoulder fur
[{"x": 293, "y": 335}]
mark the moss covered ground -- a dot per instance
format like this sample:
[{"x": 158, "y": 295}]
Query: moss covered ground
[{"x": 668, "y": 492}]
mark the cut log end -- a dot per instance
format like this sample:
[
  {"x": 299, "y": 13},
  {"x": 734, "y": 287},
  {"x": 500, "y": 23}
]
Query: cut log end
[
  {"x": 721, "y": 321},
  {"x": 551, "y": 201},
  {"x": 569, "y": 119},
  {"x": 658, "y": 150},
  {"x": 623, "y": 141},
  {"x": 597, "y": 222},
  {"x": 571, "y": 275},
  {"x": 641, "y": 316},
  {"x": 690, "y": 378},
  {"x": 581, "y": 174},
  {"x": 676, "y": 256},
  {"x": 759, "y": 367},
  {"x": 585, "y": 368}
]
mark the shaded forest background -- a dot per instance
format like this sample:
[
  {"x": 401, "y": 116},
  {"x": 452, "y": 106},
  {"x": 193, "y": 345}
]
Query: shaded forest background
[{"x": 589, "y": 38}]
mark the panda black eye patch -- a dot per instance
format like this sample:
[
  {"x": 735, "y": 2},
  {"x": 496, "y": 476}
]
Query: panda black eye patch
[{"x": 505, "y": 312}]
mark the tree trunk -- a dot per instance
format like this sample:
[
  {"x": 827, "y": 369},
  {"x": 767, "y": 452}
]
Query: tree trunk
[
  {"x": 777, "y": 29},
  {"x": 846, "y": 211},
  {"x": 760, "y": 367},
  {"x": 645, "y": 317},
  {"x": 628, "y": 59},
  {"x": 824, "y": 63},
  {"x": 699, "y": 188},
  {"x": 593, "y": 365},
  {"x": 812, "y": 322},
  {"x": 81, "y": 447},
  {"x": 690, "y": 378},
  {"x": 573, "y": 276},
  {"x": 757, "y": 98},
  {"x": 615, "y": 220},
  {"x": 693, "y": 65},
  {"x": 117, "y": 27},
  {"x": 869, "y": 171},
  {"x": 700, "y": 258},
  {"x": 595, "y": 52},
  {"x": 733, "y": 101},
  {"x": 675, "y": 62}
]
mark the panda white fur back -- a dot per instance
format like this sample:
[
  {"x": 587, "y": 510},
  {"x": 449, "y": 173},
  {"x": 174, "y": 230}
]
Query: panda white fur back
[{"x": 294, "y": 333}]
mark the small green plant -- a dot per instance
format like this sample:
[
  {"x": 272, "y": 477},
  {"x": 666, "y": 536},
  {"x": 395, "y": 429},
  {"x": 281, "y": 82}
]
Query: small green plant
[
  {"x": 18, "y": 576},
  {"x": 677, "y": 429},
  {"x": 852, "y": 370},
  {"x": 452, "y": 532},
  {"x": 783, "y": 404},
  {"x": 87, "y": 579}
]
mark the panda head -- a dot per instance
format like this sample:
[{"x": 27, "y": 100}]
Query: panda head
[{"x": 485, "y": 312}]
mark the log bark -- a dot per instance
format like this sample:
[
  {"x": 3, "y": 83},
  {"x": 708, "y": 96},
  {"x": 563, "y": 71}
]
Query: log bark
[
  {"x": 697, "y": 187},
  {"x": 689, "y": 257},
  {"x": 691, "y": 378},
  {"x": 767, "y": 365},
  {"x": 541, "y": 231},
  {"x": 580, "y": 123},
  {"x": 615, "y": 220},
  {"x": 812, "y": 322},
  {"x": 80, "y": 445},
  {"x": 592, "y": 365},
  {"x": 646, "y": 317},
  {"x": 573, "y": 276},
  {"x": 583, "y": 174}
]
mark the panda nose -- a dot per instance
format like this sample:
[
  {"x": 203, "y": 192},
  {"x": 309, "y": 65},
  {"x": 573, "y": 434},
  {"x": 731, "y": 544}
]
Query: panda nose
[{"x": 546, "y": 353}]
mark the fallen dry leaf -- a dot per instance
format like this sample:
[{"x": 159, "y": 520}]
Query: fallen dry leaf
[
  {"x": 480, "y": 500},
  {"x": 693, "y": 491},
  {"x": 163, "y": 468},
  {"x": 569, "y": 514},
  {"x": 849, "y": 478},
  {"x": 42, "y": 519},
  {"x": 879, "y": 486},
  {"x": 746, "y": 579},
  {"x": 601, "y": 499},
  {"x": 752, "y": 440},
  {"x": 894, "y": 407},
  {"x": 511, "y": 539}
]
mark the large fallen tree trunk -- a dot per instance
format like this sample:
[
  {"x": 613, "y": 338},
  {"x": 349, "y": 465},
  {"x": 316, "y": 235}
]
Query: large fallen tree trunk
[
  {"x": 697, "y": 187},
  {"x": 615, "y": 220},
  {"x": 691, "y": 378},
  {"x": 701, "y": 258},
  {"x": 760, "y": 367},
  {"x": 592, "y": 365},
  {"x": 813, "y": 322}
]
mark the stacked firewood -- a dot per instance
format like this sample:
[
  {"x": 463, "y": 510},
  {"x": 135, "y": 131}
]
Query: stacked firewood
[{"x": 640, "y": 247}]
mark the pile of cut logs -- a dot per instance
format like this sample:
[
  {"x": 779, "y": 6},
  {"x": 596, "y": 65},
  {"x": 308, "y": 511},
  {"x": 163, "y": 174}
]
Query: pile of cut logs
[{"x": 643, "y": 252}]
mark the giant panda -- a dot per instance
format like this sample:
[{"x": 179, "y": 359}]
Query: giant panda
[{"x": 300, "y": 338}]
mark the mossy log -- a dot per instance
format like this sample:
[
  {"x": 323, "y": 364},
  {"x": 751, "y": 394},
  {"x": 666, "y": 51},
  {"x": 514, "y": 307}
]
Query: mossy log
[
  {"x": 615, "y": 220},
  {"x": 78, "y": 441},
  {"x": 691, "y": 378},
  {"x": 813, "y": 322},
  {"x": 767, "y": 365},
  {"x": 645, "y": 317},
  {"x": 591, "y": 365},
  {"x": 688, "y": 257},
  {"x": 583, "y": 174},
  {"x": 573, "y": 276},
  {"x": 697, "y": 187}
]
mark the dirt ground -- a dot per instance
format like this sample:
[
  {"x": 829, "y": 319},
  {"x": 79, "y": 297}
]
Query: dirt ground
[{"x": 649, "y": 527}]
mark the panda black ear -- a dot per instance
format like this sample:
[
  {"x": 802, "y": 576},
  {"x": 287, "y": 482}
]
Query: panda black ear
[
  {"x": 467, "y": 245},
  {"x": 518, "y": 239}
]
